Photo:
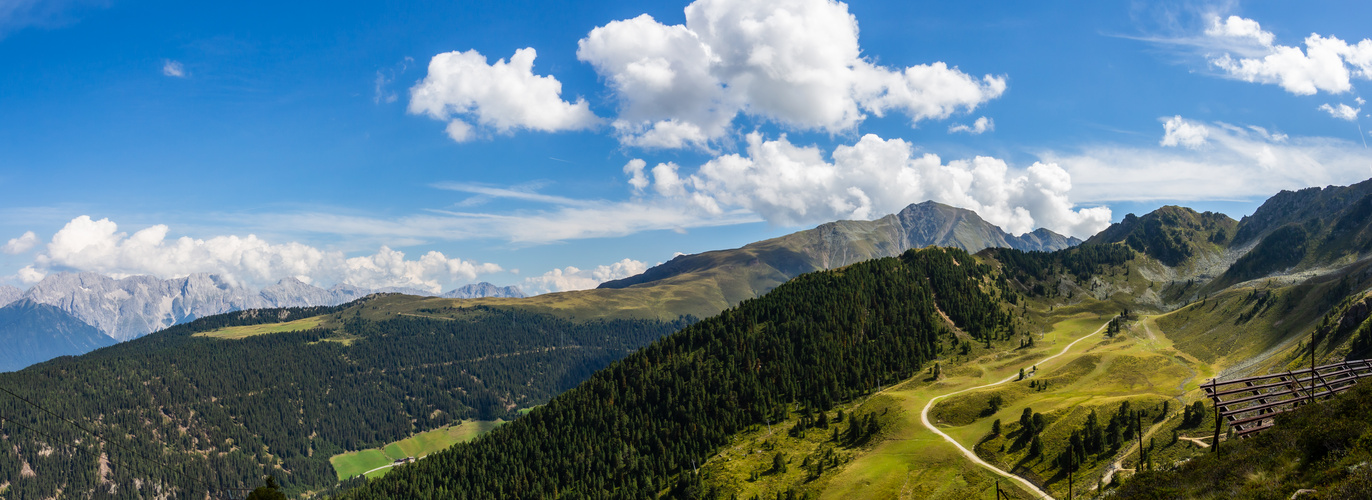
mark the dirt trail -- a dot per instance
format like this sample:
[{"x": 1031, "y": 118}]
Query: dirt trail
[
  {"x": 924, "y": 418},
  {"x": 387, "y": 466},
  {"x": 1118, "y": 464},
  {"x": 1199, "y": 442}
]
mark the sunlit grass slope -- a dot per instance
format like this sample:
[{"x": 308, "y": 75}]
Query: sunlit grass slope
[
  {"x": 358, "y": 462},
  {"x": 238, "y": 332}
]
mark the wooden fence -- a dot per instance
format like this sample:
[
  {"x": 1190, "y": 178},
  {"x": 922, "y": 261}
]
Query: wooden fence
[{"x": 1250, "y": 404}]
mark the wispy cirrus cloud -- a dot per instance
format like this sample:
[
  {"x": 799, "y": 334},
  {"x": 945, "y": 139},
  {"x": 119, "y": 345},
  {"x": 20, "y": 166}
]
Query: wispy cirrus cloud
[
  {"x": 524, "y": 194},
  {"x": 1236, "y": 163},
  {"x": 16, "y": 15},
  {"x": 173, "y": 69},
  {"x": 585, "y": 220},
  {"x": 1239, "y": 48}
]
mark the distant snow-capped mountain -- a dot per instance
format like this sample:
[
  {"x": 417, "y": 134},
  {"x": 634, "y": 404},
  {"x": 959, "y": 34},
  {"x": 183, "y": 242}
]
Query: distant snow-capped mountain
[
  {"x": 484, "y": 289},
  {"x": 9, "y": 294},
  {"x": 131, "y": 307}
]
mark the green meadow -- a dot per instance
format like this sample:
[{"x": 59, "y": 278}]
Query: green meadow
[
  {"x": 908, "y": 461},
  {"x": 419, "y": 445},
  {"x": 239, "y": 332}
]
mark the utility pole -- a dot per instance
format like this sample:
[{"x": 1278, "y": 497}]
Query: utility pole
[
  {"x": 1215, "y": 442},
  {"x": 1138, "y": 433},
  {"x": 1071, "y": 460}
]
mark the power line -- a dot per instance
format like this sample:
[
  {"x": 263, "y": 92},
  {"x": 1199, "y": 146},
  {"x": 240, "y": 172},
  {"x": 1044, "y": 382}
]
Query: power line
[{"x": 102, "y": 440}]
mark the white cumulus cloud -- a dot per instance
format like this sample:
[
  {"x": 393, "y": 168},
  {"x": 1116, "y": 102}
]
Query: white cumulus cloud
[
  {"x": 978, "y": 127},
  {"x": 86, "y": 244},
  {"x": 462, "y": 88},
  {"x": 790, "y": 185},
  {"x": 173, "y": 69},
  {"x": 22, "y": 244},
  {"x": 794, "y": 62},
  {"x": 390, "y": 268},
  {"x": 1327, "y": 64},
  {"x": 1341, "y": 111},
  {"x": 637, "y": 179},
  {"x": 571, "y": 278},
  {"x": 1177, "y": 131}
]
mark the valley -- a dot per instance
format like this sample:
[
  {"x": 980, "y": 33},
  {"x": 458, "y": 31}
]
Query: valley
[
  {"x": 693, "y": 250},
  {"x": 1115, "y": 395},
  {"x": 936, "y": 373},
  {"x": 916, "y": 457}
]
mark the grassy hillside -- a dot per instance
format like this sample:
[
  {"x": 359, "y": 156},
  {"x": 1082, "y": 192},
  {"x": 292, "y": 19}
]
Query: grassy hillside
[
  {"x": 1172, "y": 235},
  {"x": 704, "y": 284},
  {"x": 821, "y": 340},
  {"x": 1325, "y": 447},
  {"x": 375, "y": 462}
]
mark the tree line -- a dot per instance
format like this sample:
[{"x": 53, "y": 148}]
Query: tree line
[
  {"x": 641, "y": 426},
  {"x": 182, "y": 415}
]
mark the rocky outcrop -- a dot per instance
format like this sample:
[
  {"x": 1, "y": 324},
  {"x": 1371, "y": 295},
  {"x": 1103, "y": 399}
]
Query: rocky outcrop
[
  {"x": 9, "y": 294},
  {"x": 483, "y": 290},
  {"x": 131, "y": 307},
  {"x": 836, "y": 244}
]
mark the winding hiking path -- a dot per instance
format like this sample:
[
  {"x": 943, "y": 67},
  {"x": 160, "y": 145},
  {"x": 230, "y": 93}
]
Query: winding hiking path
[
  {"x": 1117, "y": 465},
  {"x": 924, "y": 418}
]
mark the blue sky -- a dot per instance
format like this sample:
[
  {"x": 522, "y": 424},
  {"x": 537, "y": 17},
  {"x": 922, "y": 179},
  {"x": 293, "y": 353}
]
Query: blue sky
[{"x": 324, "y": 140}]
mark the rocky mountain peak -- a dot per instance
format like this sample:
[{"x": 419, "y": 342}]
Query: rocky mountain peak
[
  {"x": 483, "y": 290},
  {"x": 9, "y": 294}
]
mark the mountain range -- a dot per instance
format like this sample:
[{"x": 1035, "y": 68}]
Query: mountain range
[
  {"x": 837, "y": 244},
  {"x": 1222, "y": 298},
  {"x": 859, "y": 342},
  {"x": 697, "y": 285},
  {"x": 9, "y": 294},
  {"x": 127, "y": 308},
  {"x": 701, "y": 285}
]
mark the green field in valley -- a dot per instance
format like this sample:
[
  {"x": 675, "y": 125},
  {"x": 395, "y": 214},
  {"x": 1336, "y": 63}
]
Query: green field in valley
[{"x": 369, "y": 461}]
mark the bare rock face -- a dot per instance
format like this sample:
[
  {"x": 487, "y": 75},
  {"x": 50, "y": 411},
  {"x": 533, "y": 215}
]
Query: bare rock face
[
  {"x": 138, "y": 305},
  {"x": 9, "y": 294},
  {"x": 840, "y": 243},
  {"x": 131, "y": 307},
  {"x": 482, "y": 290},
  {"x": 291, "y": 292}
]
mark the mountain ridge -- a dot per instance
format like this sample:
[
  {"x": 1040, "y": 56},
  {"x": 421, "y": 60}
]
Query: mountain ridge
[
  {"x": 840, "y": 243},
  {"x": 483, "y": 290},
  {"x": 32, "y": 332},
  {"x": 130, "y": 307},
  {"x": 9, "y": 294}
]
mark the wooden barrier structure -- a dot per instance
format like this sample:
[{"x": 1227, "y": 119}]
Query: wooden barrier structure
[{"x": 1250, "y": 404}]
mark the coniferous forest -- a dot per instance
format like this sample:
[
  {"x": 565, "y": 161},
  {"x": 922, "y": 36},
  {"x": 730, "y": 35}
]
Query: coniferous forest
[
  {"x": 640, "y": 427},
  {"x": 183, "y": 416}
]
